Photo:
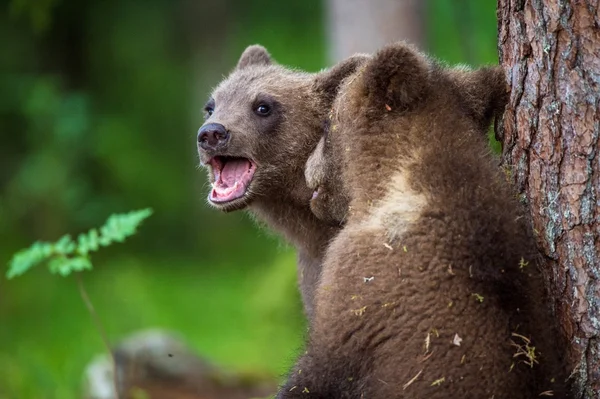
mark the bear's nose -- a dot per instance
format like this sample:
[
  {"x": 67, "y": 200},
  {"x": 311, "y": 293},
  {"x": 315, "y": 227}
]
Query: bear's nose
[{"x": 213, "y": 136}]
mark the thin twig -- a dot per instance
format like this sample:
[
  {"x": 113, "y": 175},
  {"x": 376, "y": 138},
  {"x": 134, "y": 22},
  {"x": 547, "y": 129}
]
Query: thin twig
[
  {"x": 88, "y": 303},
  {"x": 412, "y": 380}
]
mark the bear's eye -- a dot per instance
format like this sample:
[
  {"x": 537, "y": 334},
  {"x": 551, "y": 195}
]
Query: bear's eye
[
  {"x": 209, "y": 108},
  {"x": 262, "y": 110}
]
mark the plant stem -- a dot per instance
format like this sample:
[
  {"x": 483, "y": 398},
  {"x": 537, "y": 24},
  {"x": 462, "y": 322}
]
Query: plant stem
[{"x": 88, "y": 303}]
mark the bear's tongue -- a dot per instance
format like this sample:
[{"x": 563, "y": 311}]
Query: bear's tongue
[
  {"x": 232, "y": 177},
  {"x": 233, "y": 170}
]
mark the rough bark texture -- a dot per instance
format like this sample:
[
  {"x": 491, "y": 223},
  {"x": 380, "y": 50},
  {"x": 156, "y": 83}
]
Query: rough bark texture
[
  {"x": 364, "y": 26},
  {"x": 551, "y": 52}
]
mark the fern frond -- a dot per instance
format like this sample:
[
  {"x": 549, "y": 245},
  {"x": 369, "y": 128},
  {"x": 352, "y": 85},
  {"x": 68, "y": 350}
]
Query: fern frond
[
  {"x": 27, "y": 258},
  {"x": 66, "y": 256},
  {"x": 65, "y": 266},
  {"x": 118, "y": 227}
]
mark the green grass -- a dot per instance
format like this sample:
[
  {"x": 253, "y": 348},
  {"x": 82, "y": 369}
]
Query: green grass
[{"x": 243, "y": 318}]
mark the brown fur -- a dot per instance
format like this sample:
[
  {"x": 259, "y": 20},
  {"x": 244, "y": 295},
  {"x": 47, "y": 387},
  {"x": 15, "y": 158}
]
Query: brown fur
[
  {"x": 423, "y": 288},
  {"x": 280, "y": 145}
]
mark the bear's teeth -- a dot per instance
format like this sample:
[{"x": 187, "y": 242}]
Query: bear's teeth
[{"x": 226, "y": 190}]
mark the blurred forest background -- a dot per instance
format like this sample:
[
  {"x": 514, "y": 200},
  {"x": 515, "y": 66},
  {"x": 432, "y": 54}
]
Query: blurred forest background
[{"x": 100, "y": 102}]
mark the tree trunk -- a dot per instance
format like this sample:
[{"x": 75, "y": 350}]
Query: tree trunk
[
  {"x": 364, "y": 26},
  {"x": 551, "y": 52}
]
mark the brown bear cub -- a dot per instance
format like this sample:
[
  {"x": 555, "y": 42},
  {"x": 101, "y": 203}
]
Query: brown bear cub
[
  {"x": 430, "y": 289},
  {"x": 262, "y": 123}
]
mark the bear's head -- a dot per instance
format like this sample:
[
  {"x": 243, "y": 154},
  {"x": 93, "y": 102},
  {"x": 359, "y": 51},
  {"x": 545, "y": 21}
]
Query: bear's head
[
  {"x": 398, "y": 104},
  {"x": 262, "y": 123}
]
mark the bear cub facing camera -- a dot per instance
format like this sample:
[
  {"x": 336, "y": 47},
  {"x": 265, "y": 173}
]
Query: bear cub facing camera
[
  {"x": 262, "y": 123},
  {"x": 430, "y": 290}
]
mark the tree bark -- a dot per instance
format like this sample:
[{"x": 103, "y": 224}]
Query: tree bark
[
  {"x": 550, "y": 51},
  {"x": 364, "y": 26}
]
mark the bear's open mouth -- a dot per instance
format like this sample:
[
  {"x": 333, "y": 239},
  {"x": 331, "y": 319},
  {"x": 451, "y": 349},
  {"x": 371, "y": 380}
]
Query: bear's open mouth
[{"x": 232, "y": 176}]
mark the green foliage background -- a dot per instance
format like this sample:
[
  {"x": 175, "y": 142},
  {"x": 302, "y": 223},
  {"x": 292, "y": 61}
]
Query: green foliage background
[{"x": 99, "y": 105}]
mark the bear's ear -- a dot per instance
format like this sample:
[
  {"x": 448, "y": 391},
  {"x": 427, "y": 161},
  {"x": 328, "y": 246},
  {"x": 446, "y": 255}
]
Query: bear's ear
[
  {"x": 327, "y": 83},
  {"x": 483, "y": 91},
  {"x": 397, "y": 78},
  {"x": 254, "y": 55}
]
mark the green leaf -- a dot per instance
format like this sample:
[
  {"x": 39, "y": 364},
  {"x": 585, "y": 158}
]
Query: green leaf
[
  {"x": 87, "y": 242},
  {"x": 66, "y": 256},
  {"x": 120, "y": 226},
  {"x": 83, "y": 245},
  {"x": 93, "y": 240},
  {"x": 65, "y": 266},
  {"x": 27, "y": 258},
  {"x": 65, "y": 245}
]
